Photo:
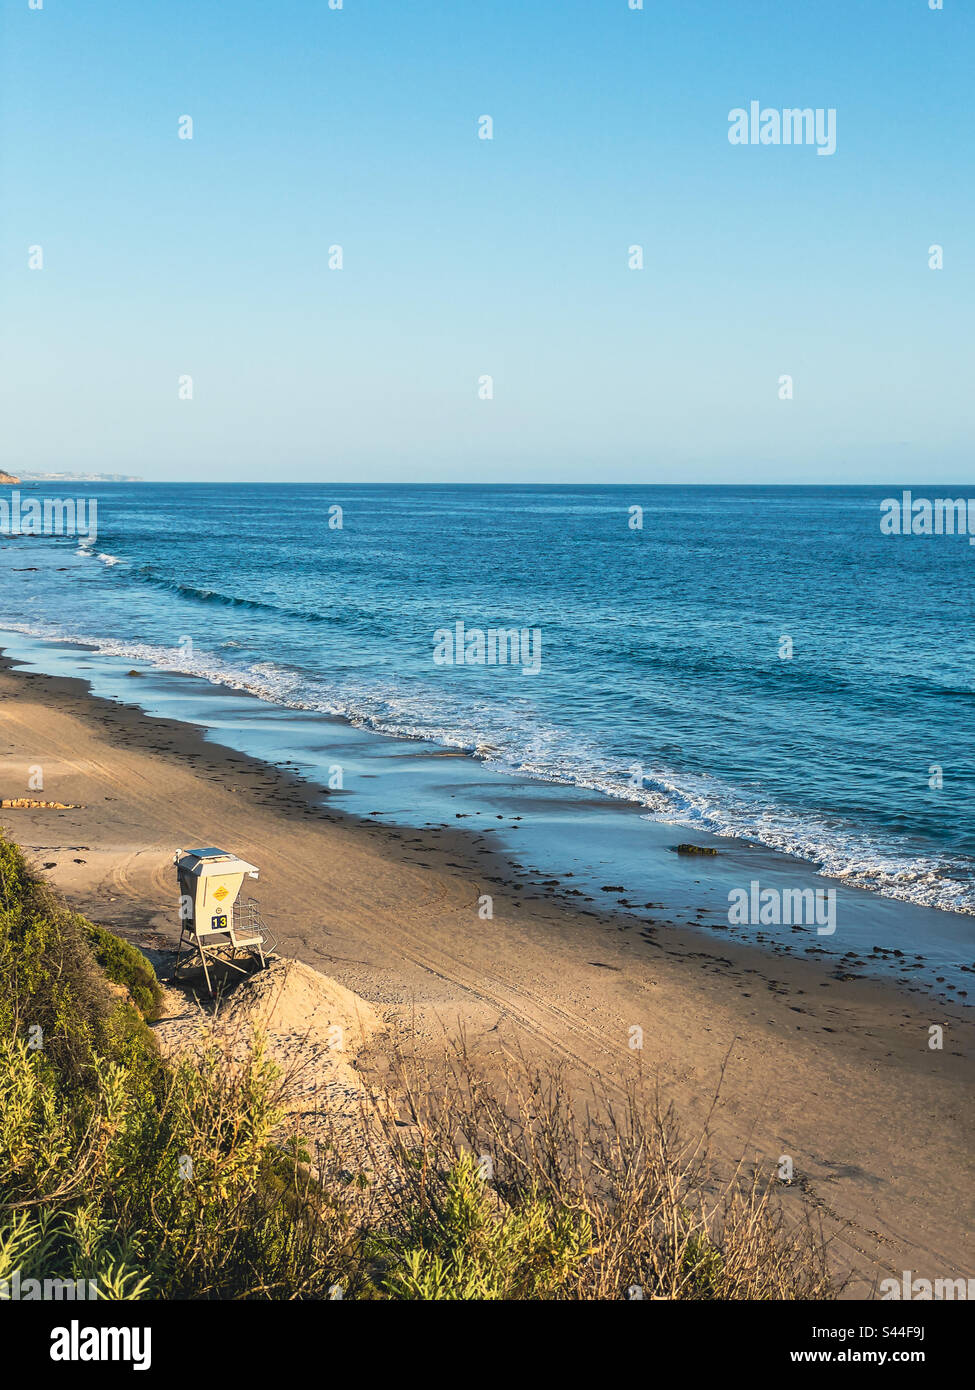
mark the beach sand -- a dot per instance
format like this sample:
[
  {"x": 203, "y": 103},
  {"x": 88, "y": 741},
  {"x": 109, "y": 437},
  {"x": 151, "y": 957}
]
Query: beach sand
[{"x": 835, "y": 1073}]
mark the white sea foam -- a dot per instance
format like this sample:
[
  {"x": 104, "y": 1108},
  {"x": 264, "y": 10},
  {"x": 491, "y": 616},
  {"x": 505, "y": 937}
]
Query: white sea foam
[{"x": 522, "y": 748}]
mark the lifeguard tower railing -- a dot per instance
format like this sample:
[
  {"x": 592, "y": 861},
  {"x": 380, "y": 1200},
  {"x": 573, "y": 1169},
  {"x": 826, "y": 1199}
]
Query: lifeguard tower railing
[{"x": 248, "y": 922}]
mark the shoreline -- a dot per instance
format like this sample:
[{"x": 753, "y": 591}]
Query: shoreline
[
  {"x": 619, "y": 859},
  {"x": 835, "y": 1073}
]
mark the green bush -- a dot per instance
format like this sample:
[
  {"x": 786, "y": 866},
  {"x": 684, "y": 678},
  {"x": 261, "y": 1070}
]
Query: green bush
[
  {"x": 125, "y": 965},
  {"x": 50, "y": 983},
  {"x": 461, "y": 1244}
]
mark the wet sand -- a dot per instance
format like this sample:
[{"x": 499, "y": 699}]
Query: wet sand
[{"x": 831, "y": 1069}]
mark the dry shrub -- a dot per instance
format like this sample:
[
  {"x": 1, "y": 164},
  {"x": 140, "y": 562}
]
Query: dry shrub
[{"x": 607, "y": 1203}]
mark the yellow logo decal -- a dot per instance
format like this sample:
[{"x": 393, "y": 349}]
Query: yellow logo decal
[{"x": 221, "y": 893}]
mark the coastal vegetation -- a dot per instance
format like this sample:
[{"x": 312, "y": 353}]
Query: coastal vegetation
[{"x": 184, "y": 1178}]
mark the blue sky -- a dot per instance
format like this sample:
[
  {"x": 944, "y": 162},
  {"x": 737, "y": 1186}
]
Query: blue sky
[{"x": 464, "y": 257}]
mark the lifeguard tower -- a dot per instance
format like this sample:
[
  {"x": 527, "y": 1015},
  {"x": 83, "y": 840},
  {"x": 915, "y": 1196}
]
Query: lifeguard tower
[{"x": 216, "y": 924}]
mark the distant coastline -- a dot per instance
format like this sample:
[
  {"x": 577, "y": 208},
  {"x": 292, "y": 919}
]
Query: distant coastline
[
  {"x": 8, "y": 480},
  {"x": 70, "y": 478}
]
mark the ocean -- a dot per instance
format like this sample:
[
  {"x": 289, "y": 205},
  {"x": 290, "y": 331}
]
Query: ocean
[{"x": 752, "y": 662}]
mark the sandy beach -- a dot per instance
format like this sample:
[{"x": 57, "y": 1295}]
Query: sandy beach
[{"x": 836, "y": 1073}]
